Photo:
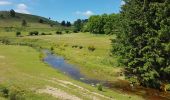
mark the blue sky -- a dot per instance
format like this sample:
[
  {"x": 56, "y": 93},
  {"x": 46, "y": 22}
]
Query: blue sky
[{"x": 63, "y": 9}]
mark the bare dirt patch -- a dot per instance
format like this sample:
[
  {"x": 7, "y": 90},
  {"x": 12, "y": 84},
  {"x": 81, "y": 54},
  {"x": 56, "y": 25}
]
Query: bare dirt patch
[
  {"x": 58, "y": 93},
  {"x": 2, "y": 57}
]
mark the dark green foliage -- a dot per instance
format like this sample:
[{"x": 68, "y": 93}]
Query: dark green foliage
[
  {"x": 78, "y": 25},
  {"x": 75, "y": 46},
  {"x": 41, "y": 21},
  {"x": 67, "y": 31},
  {"x": 18, "y": 34},
  {"x": 59, "y": 32},
  {"x": 80, "y": 47},
  {"x": 2, "y": 16},
  {"x": 46, "y": 33},
  {"x": 144, "y": 43},
  {"x": 43, "y": 33},
  {"x": 68, "y": 24},
  {"x": 4, "y": 91},
  {"x": 75, "y": 31},
  {"x": 100, "y": 87},
  {"x": 12, "y": 93},
  {"x": 63, "y": 23},
  {"x": 96, "y": 24},
  {"x": 49, "y": 34},
  {"x": 24, "y": 23},
  {"x": 52, "y": 48},
  {"x": 104, "y": 24},
  {"x": 12, "y": 13},
  {"x": 33, "y": 33},
  {"x": 91, "y": 48}
]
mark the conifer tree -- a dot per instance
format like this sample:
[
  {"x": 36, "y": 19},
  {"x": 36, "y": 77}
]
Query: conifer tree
[{"x": 144, "y": 44}]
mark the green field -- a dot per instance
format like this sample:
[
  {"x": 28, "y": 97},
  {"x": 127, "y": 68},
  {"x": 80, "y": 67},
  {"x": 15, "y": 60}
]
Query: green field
[
  {"x": 25, "y": 75},
  {"x": 21, "y": 67}
]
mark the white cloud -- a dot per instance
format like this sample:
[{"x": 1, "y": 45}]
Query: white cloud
[
  {"x": 86, "y": 13},
  {"x": 22, "y": 8},
  {"x": 3, "y": 3},
  {"x": 122, "y": 3}
]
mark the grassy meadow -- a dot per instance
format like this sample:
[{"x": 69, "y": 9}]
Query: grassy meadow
[
  {"x": 21, "y": 67},
  {"x": 75, "y": 49},
  {"x": 25, "y": 76}
]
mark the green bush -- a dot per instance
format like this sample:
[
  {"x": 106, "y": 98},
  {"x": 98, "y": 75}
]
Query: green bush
[
  {"x": 67, "y": 31},
  {"x": 75, "y": 31},
  {"x": 4, "y": 91},
  {"x": 18, "y": 34},
  {"x": 100, "y": 87},
  {"x": 33, "y": 33},
  {"x": 58, "y": 32},
  {"x": 43, "y": 33},
  {"x": 75, "y": 46},
  {"x": 49, "y": 34},
  {"x": 80, "y": 47},
  {"x": 91, "y": 48}
]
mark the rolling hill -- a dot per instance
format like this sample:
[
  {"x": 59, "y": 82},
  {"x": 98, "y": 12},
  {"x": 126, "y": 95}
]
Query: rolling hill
[{"x": 33, "y": 21}]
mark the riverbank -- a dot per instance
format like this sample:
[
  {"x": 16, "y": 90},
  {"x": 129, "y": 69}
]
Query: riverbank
[{"x": 21, "y": 67}]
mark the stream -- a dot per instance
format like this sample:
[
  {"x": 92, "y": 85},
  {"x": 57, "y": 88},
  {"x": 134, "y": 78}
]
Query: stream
[
  {"x": 70, "y": 70},
  {"x": 59, "y": 63}
]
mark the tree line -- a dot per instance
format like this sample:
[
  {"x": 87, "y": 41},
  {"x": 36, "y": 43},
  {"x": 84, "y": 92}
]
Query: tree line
[
  {"x": 143, "y": 39},
  {"x": 144, "y": 42},
  {"x": 99, "y": 24}
]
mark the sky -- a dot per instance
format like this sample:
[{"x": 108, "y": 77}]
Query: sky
[{"x": 59, "y": 10}]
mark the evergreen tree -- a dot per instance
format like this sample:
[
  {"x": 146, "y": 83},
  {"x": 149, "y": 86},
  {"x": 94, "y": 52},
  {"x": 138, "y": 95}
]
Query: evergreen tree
[
  {"x": 144, "y": 44},
  {"x": 12, "y": 13},
  {"x": 78, "y": 25},
  {"x": 68, "y": 24},
  {"x": 63, "y": 23}
]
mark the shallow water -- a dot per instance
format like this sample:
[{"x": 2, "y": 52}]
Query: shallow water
[
  {"x": 59, "y": 63},
  {"x": 68, "y": 69}
]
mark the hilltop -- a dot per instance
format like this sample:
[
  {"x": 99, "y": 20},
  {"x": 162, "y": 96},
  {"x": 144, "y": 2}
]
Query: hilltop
[{"x": 33, "y": 21}]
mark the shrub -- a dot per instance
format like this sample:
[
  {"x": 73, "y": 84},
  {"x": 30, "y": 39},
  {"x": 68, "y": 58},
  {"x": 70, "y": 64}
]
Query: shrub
[
  {"x": 52, "y": 48},
  {"x": 75, "y": 46},
  {"x": 100, "y": 87},
  {"x": 67, "y": 31},
  {"x": 49, "y": 33},
  {"x": 80, "y": 47},
  {"x": 36, "y": 32},
  {"x": 91, "y": 48},
  {"x": 4, "y": 91},
  {"x": 59, "y": 32},
  {"x": 1, "y": 16},
  {"x": 33, "y": 33},
  {"x": 18, "y": 34},
  {"x": 5, "y": 41},
  {"x": 75, "y": 31},
  {"x": 43, "y": 34},
  {"x": 12, "y": 13}
]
